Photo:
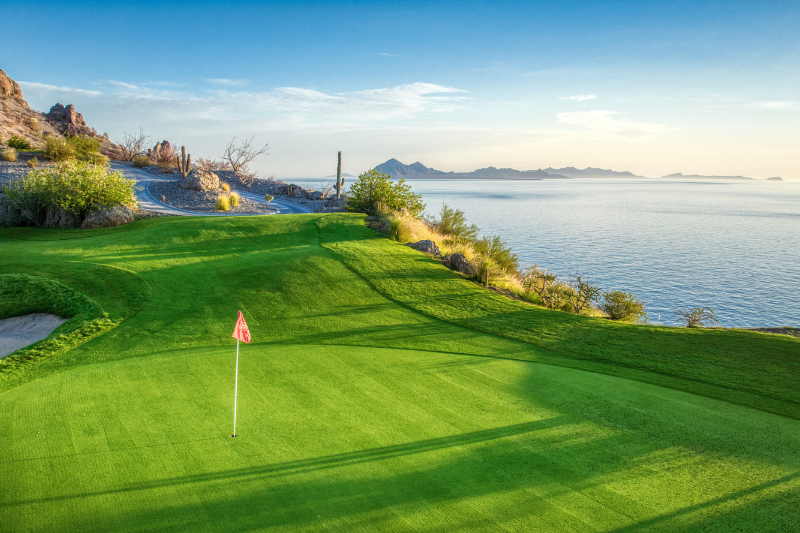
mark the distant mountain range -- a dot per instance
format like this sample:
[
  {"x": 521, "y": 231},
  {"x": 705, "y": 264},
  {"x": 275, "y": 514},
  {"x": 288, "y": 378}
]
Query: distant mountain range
[
  {"x": 679, "y": 176},
  {"x": 419, "y": 171}
]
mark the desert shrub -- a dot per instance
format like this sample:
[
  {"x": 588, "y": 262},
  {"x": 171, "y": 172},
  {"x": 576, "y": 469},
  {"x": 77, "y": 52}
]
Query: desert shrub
[
  {"x": 166, "y": 167},
  {"x": 141, "y": 161},
  {"x": 33, "y": 162},
  {"x": 225, "y": 187},
  {"x": 582, "y": 293},
  {"x": 223, "y": 204},
  {"x": 18, "y": 142},
  {"x": 234, "y": 199},
  {"x": 620, "y": 305},
  {"x": 696, "y": 317},
  {"x": 268, "y": 198},
  {"x": 374, "y": 193},
  {"x": 453, "y": 222},
  {"x": 33, "y": 124},
  {"x": 74, "y": 186},
  {"x": 58, "y": 149},
  {"x": 87, "y": 149},
  {"x": 495, "y": 258},
  {"x": 9, "y": 154}
]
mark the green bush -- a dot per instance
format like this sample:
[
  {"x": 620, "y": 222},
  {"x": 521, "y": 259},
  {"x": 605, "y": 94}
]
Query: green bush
[
  {"x": 141, "y": 161},
  {"x": 19, "y": 143},
  {"x": 268, "y": 198},
  {"x": 74, "y": 186},
  {"x": 620, "y": 305},
  {"x": 10, "y": 155},
  {"x": 86, "y": 148},
  {"x": 374, "y": 193},
  {"x": 58, "y": 149},
  {"x": 496, "y": 256}
]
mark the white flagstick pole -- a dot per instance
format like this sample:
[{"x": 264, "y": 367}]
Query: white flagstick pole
[{"x": 236, "y": 388}]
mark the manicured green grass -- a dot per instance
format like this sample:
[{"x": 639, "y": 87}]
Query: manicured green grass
[{"x": 381, "y": 393}]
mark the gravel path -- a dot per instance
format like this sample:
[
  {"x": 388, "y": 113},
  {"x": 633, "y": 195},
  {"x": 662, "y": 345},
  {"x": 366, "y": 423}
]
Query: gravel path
[{"x": 170, "y": 192}]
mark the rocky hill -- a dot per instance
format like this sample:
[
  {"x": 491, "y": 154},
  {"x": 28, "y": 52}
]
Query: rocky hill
[
  {"x": 418, "y": 170},
  {"x": 17, "y": 118}
]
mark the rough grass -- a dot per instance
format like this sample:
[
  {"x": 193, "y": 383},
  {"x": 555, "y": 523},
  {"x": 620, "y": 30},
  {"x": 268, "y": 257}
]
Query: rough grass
[{"x": 381, "y": 393}]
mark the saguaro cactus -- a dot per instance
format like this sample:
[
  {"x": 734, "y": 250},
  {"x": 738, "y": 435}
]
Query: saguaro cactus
[
  {"x": 184, "y": 162},
  {"x": 339, "y": 182}
]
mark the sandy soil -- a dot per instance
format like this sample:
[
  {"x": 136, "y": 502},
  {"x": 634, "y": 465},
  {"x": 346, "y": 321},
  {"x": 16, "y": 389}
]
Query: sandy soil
[{"x": 20, "y": 331}]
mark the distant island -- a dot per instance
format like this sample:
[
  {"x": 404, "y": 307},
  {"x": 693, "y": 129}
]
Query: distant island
[
  {"x": 679, "y": 176},
  {"x": 419, "y": 171}
]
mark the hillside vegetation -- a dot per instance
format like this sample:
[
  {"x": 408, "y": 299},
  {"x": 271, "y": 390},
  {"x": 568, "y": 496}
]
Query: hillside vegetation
[{"x": 381, "y": 392}]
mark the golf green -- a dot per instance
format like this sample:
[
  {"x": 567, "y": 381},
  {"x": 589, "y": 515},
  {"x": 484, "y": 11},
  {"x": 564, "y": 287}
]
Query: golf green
[{"x": 381, "y": 393}]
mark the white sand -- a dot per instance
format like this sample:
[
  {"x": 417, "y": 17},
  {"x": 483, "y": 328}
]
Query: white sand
[{"x": 20, "y": 331}]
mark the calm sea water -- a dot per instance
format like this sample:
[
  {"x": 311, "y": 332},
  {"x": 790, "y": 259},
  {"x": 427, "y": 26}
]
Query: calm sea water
[{"x": 731, "y": 246}]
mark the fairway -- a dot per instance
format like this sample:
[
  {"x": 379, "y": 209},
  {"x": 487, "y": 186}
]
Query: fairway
[{"x": 381, "y": 393}]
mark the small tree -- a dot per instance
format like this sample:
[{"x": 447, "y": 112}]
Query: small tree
[
  {"x": 453, "y": 222},
  {"x": 374, "y": 192},
  {"x": 620, "y": 305},
  {"x": 697, "y": 317},
  {"x": 582, "y": 293},
  {"x": 239, "y": 157},
  {"x": 539, "y": 280},
  {"x": 133, "y": 144}
]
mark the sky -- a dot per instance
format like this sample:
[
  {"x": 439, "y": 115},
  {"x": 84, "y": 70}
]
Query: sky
[{"x": 650, "y": 87}]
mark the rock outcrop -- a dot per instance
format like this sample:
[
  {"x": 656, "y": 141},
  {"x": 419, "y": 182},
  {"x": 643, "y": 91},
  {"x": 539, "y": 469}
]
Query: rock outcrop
[
  {"x": 107, "y": 217},
  {"x": 59, "y": 218},
  {"x": 459, "y": 263},
  {"x": 200, "y": 180},
  {"x": 426, "y": 246},
  {"x": 162, "y": 152},
  {"x": 10, "y": 89},
  {"x": 68, "y": 121}
]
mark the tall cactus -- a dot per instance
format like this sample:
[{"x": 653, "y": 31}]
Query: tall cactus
[
  {"x": 184, "y": 162},
  {"x": 339, "y": 181}
]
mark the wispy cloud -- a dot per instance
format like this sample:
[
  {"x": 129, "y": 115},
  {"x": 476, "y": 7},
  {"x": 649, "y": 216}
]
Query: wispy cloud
[
  {"x": 579, "y": 97},
  {"x": 34, "y": 86},
  {"x": 227, "y": 82},
  {"x": 606, "y": 125}
]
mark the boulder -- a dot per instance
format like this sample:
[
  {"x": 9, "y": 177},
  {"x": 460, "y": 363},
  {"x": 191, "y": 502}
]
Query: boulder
[
  {"x": 162, "y": 152},
  {"x": 315, "y": 195},
  {"x": 59, "y": 218},
  {"x": 9, "y": 214},
  {"x": 459, "y": 263},
  {"x": 68, "y": 121},
  {"x": 200, "y": 180},
  {"x": 106, "y": 217},
  {"x": 426, "y": 246}
]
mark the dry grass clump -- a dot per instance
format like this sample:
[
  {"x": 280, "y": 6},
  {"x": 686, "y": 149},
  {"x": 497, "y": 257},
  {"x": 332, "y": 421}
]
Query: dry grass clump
[
  {"x": 234, "y": 199},
  {"x": 167, "y": 167},
  {"x": 141, "y": 161},
  {"x": 225, "y": 187},
  {"x": 210, "y": 164},
  {"x": 402, "y": 227},
  {"x": 33, "y": 124},
  {"x": 9, "y": 154},
  {"x": 33, "y": 163},
  {"x": 223, "y": 203}
]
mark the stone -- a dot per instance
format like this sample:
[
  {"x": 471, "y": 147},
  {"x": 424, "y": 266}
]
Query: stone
[
  {"x": 459, "y": 263},
  {"x": 426, "y": 246},
  {"x": 162, "y": 152},
  {"x": 107, "y": 217},
  {"x": 68, "y": 121},
  {"x": 200, "y": 180},
  {"x": 315, "y": 195},
  {"x": 59, "y": 218},
  {"x": 10, "y": 89}
]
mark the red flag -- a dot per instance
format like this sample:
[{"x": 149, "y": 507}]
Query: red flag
[{"x": 240, "y": 331}]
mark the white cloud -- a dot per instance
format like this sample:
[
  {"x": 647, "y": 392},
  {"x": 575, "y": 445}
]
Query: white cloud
[
  {"x": 604, "y": 124},
  {"x": 579, "y": 97},
  {"x": 33, "y": 86},
  {"x": 227, "y": 82},
  {"x": 776, "y": 105}
]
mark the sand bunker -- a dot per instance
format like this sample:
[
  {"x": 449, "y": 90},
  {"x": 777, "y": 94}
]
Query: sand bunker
[{"x": 20, "y": 331}]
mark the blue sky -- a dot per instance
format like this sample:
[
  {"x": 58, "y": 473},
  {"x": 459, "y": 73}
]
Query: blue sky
[{"x": 655, "y": 88}]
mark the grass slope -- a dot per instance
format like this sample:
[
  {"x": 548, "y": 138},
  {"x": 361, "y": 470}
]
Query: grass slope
[{"x": 381, "y": 393}]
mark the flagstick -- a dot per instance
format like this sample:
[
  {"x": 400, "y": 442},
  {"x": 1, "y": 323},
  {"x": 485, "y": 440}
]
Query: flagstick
[{"x": 236, "y": 388}]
